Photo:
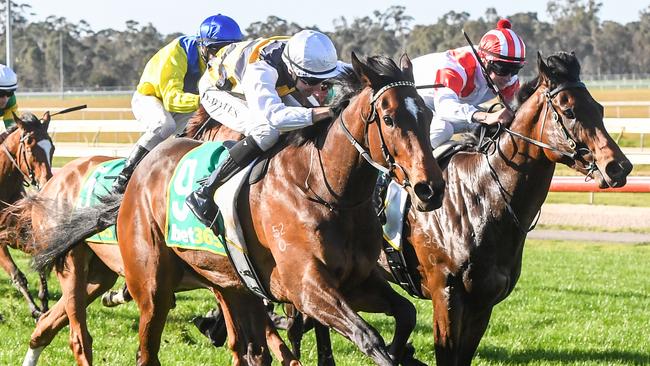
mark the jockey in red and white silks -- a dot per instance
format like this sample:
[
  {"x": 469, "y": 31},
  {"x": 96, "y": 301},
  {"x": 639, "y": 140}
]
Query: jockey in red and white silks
[{"x": 465, "y": 86}]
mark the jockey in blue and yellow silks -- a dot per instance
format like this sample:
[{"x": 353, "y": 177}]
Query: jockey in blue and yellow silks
[
  {"x": 8, "y": 105},
  {"x": 167, "y": 94}
]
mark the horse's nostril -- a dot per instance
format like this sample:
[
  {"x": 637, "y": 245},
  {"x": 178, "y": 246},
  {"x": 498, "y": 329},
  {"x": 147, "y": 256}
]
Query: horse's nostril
[
  {"x": 423, "y": 191},
  {"x": 616, "y": 169}
]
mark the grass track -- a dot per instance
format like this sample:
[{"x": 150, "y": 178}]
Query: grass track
[{"x": 575, "y": 304}]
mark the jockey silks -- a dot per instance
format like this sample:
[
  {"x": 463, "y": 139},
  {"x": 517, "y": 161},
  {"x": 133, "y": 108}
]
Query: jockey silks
[
  {"x": 172, "y": 75},
  {"x": 227, "y": 69}
]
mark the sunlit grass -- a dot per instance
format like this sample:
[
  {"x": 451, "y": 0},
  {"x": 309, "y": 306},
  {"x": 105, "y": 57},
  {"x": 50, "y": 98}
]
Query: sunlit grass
[{"x": 575, "y": 304}]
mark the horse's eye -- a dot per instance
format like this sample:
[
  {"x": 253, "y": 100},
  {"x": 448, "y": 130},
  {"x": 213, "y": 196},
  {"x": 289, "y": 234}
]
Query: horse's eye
[
  {"x": 568, "y": 113},
  {"x": 388, "y": 120}
]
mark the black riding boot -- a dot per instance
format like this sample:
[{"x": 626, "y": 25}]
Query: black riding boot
[
  {"x": 132, "y": 161},
  {"x": 201, "y": 201}
]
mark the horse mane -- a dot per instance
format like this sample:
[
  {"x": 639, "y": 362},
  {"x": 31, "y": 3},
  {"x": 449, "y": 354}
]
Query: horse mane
[
  {"x": 347, "y": 85},
  {"x": 197, "y": 121},
  {"x": 561, "y": 67}
]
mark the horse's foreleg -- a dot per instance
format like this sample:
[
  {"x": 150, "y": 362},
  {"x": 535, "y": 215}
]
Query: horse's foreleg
[
  {"x": 324, "y": 345},
  {"x": 278, "y": 347},
  {"x": 475, "y": 323},
  {"x": 43, "y": 292},
  {"x": 49, "y": 325},
  {"x": 377, "y": 296},
  {"x": 448, "y": 313},
  {"x": 73, "y": 278},
  {"x": 18, "y": 279},
  {"x": 248, "y": 327},
  {"x": 316, "y": 296}
]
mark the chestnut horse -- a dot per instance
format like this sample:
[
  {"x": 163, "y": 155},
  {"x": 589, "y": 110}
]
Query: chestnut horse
[
  {"x": 26, "y": 152},
  {"x": 467, "y": 255},
  {"x": 88, "y": 270},
  {"x": 323, "y": 273}
]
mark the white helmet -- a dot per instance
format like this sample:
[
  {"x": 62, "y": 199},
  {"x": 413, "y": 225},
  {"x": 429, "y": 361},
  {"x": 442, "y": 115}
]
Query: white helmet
[
  {"x": 312, "y": 54},
  {"x": 8, "y": 78}
]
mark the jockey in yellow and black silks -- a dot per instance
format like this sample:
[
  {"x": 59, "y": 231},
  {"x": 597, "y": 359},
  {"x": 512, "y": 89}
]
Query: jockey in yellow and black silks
[
  {"x": 8, "y": 104},
  {"x": 167, "y": 94},
  {"x": 261, "y": 89}
]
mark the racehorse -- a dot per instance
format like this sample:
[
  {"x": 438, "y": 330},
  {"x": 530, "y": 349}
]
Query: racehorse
[
  {"x": 467, "y": 255},
  {"x": 313, "y": 237},
  {"x": 25, "y": 160},
  {"x": 89, "y": 270}
]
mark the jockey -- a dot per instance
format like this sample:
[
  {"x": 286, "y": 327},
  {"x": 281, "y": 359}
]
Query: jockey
[
  {"x": 261, "y": 89},
  {"x": 167, "y": 94},
  {"x": 465, "y": 86},
  {"x": 8, "y": 85}
]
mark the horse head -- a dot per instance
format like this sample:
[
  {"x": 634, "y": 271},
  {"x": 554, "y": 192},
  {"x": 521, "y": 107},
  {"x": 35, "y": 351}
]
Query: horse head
[
  {"x": 33, "y": 155},
  {"x": 572, "y": 122},
  {"x": 389, "y": 101}
]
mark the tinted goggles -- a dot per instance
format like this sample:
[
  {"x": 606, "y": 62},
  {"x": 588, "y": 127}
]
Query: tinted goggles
[
  {"x": 6, "y": 93},
  {"x": 311, "y": 81},
  {"x": 505, "y": 68}
]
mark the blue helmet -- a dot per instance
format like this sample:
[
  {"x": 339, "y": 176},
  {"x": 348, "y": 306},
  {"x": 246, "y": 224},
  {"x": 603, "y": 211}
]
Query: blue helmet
[{"x": 219, "y": 29}]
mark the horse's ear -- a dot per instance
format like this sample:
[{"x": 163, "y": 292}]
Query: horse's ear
[
  {"x": 544, "y": 71},
  {"x": 407, "y": 66},
  {"x": 19, "y": 122},
  {"x": 45, "y": 120},
  {"x": 365, "y": 74}
]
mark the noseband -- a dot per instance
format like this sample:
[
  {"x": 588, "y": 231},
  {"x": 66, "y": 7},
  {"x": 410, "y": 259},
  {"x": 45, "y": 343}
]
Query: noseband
[
  {"x": 22, "y": 152},
  {"x": 372, "y": 118}
]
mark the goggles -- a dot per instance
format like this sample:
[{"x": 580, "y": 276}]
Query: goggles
[
  {"x": 505, "y": 68},
  {"x": 6, "y": 93}
]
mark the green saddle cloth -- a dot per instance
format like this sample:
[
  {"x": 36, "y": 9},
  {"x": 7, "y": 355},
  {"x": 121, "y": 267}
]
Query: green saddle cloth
[{"x": 182, "y": 228}]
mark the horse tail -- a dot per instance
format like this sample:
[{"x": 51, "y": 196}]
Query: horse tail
[
  {"x": 74, "y": 228},
  {"x": 16, "y": 222}
]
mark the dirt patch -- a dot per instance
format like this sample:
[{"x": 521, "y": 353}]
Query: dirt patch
[{"x": 596, "y": 216}]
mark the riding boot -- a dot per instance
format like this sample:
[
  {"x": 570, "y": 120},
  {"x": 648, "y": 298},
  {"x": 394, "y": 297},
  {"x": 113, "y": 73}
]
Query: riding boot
[
  {"x": 132, "y": 161},
  {"x": 201, "y": 201}
]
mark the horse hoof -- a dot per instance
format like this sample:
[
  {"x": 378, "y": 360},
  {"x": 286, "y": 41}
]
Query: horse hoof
[
  {"x": 107, "y": 299},
  {"x": 409, "y": 357},
  {"x": 36, "y": 314}
]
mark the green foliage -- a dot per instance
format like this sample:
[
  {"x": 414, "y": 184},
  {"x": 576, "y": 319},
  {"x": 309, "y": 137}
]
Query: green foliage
[{"x": 116, "y": 58}]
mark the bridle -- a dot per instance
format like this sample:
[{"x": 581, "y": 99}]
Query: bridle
[
  {"x": 576, "y": 152},
  {"x": 28, "y": 179},
  {"x": 371, "y": 119}
]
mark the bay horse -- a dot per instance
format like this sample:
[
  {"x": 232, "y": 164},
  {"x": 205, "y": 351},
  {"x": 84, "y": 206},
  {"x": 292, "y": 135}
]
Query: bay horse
[
  {"x": 314, "y": 237},
  {"x": 26, "y": 152},
  {"x": 467, "y": 255}
]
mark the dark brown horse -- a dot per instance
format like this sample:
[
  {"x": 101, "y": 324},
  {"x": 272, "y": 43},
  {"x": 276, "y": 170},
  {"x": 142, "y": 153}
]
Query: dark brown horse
[
  {"x": 309, "y": 224},
  {"x": 26, "y": 152},
  {"x": 467, "y": 255}
]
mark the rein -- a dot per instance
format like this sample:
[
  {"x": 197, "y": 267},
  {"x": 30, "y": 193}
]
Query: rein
[
  {"x": 576, "y": 154},
  {"x": 26, "y": 180},
  {"x": 362, "y": 150}
]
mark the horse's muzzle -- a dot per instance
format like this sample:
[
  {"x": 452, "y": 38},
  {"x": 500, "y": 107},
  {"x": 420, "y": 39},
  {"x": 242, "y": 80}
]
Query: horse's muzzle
[
  {"x": 617, "y": 171},
  {"x": 429, "y": 197}
]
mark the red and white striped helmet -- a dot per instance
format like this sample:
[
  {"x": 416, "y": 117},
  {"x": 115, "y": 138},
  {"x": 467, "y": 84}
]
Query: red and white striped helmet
[{"x": 503, "y": 44}]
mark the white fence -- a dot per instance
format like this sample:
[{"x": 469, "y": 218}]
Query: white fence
[{"x": 97, "y": 127}]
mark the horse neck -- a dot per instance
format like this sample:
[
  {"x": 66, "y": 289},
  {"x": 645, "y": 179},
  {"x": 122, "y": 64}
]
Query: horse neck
[
  {"x": 523, "y": 169},
  {"x": 10, "y": 177},
  {"x": 346, "y": 175}
]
